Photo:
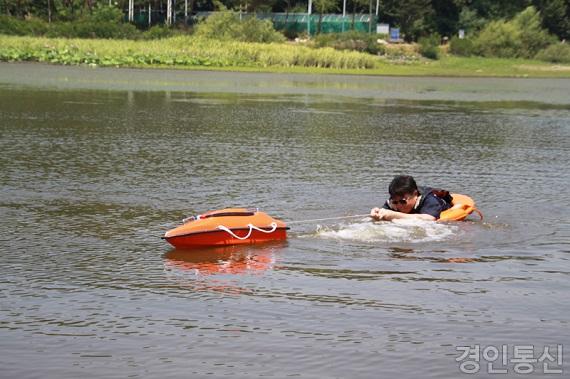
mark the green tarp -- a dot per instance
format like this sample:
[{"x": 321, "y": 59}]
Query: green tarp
[
  {"x": 291, "y": 23},
  {"x": 330, "y": 23}
]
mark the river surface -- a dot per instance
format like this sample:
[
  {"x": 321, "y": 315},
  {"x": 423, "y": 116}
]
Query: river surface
[{"x": 96, "y": 164}]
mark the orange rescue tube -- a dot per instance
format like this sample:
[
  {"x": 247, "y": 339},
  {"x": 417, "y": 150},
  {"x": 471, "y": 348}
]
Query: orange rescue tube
[
  {"x": 230, "y": 226},
  {"x": 461, "y": 207}
]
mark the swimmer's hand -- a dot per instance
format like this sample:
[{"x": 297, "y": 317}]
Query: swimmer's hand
[
  {"x": 382, "y": 214},
  {"x": 379, "y": 214}
]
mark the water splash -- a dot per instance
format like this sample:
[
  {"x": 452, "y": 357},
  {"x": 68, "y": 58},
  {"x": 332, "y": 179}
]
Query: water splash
[{"x": 395, "y": 231}]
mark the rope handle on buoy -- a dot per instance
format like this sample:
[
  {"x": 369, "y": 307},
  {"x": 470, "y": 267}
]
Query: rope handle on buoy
[
  {"x": 251, "y": 229},
  {"x": 247, "y": 212},
  {"x": 478, "y": 213}
]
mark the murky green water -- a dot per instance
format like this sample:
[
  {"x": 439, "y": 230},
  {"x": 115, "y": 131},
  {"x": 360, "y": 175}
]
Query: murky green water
[{"x": 97, "y": 164}]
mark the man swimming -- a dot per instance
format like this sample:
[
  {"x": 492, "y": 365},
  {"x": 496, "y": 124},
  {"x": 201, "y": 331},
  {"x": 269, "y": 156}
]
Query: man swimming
[{"x": 408, "y": 201}]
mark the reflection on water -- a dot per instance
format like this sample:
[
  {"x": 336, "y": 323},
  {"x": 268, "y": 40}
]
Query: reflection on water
[
  {"x": 503, "y": 91},
  {"x": 233, "y": 260},
  {"x": 91, "y": 179}
]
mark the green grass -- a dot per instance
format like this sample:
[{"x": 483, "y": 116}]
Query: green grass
[
  {"x": 186, "y": 52},
  {"x": 494, "y": 67}
]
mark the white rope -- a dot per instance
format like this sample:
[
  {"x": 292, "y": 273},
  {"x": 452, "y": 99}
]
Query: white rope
[
  {"x": 273, "y": 228},
  {"x": 329, "y": 218},
  {"x": 251, "y": 229}
]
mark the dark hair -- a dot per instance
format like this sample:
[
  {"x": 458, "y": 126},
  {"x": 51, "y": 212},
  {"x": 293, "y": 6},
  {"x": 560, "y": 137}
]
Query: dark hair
[{"x": 402, "y": 185}]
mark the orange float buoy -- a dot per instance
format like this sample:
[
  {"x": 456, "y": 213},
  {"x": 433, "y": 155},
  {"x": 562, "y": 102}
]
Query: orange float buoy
[
  {"x": 230, "y": 226},
  {"x": 461, "y": 207}
]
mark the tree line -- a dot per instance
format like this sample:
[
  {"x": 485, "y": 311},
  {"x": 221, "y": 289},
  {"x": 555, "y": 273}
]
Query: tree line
[{"x": 415, "y": 18}]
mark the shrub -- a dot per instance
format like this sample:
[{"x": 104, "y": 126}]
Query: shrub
[
  {"x": 14, "y": 26},
  {"x": 157, "y": 32},
  {"x": 533, "y": 37},
  {"x": 227, "y": 26},
  {"x": 461, "y": 46},
  {"x": 36, "y": 27},
  {"x": 105, "y": 21},
  {"x": 291, "y": 34},
  {"x": 255, "y": 30},
  {"x": 555, "y": 53},
  {"x": 106, "y": 13},
  {"x": 352, "y": 40},
  {"x": 521, "y": 37},
  {"x": 498, "y": 39},
  {"x": 90, "y": 29},
  {"x": 429, "y": 46},
  {"x": 62, "y": 29},
  {"x": 108, "y": 30}
]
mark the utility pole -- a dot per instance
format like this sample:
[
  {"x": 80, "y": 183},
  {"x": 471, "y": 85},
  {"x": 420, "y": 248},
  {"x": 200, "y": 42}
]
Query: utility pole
[
  {"x": 309, "y": 18},
  {"x": 131, "y": 10},
  {"x": 370, "y": 17},
  {"x": 343, "y": 13},
  {"x": 186, "y": 12},
  {"x": 168, "y": 12}
]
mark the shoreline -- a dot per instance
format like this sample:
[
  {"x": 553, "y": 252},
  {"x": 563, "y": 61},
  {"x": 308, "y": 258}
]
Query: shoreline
[
  {"x": 541, "y": 70},
  {"x": 553, "y": 73}
]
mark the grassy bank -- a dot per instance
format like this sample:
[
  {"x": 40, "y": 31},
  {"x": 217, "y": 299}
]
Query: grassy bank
[
  {"x": 198, "y": 53},
  {"x": 450, "y": 65}
]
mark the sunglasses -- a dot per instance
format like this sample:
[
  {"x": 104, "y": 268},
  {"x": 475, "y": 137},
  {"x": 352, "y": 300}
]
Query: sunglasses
[{"x": 402, "y": 201}]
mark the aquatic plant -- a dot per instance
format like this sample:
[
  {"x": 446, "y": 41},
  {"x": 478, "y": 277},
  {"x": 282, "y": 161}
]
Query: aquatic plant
[{"x": 177, "y": 51}]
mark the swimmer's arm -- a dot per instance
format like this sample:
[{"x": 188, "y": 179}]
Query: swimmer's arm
[{"x": 389, "y": 215}]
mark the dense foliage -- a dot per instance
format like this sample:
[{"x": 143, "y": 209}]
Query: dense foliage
[
  {"x": 415, "y": 18},
  {"x": 103, "y": 22},
  {"x": 14, "y": 26},
  {"x": 521, "y": 37},
  {"x": 228, "y": 26}
]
